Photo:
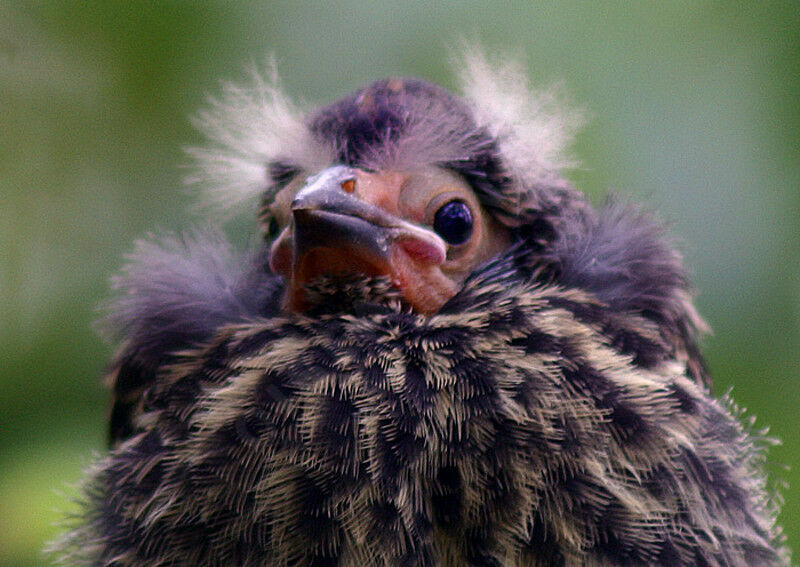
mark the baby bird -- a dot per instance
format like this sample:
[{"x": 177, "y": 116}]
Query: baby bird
[{"x": 442, "y": 354}]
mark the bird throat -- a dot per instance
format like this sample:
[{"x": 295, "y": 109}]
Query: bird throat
[
  {"x": 351, "y": 293},
  {"x": 333, "y": 280}
]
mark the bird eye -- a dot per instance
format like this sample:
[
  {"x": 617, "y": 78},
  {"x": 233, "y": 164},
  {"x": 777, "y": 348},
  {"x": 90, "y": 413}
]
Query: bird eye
[{"x": 453, "y": 222}]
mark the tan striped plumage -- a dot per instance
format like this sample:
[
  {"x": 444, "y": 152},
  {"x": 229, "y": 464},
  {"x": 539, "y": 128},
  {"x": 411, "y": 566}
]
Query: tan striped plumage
[{"x": 509, "y": 432}]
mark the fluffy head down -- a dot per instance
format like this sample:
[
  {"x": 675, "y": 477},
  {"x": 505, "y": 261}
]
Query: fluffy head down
[
  {"x": 249, "y": 127},
  {"x": 532, "y": 128},
  {"x": 258, "y": 136}
]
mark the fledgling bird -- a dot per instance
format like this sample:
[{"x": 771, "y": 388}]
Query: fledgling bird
[{"x": 442, "y": 354}]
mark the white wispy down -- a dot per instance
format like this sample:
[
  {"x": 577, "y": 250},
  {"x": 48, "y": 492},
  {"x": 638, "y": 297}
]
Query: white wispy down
[
  {"x": 248, "y": 126},
  {"x": 533, "y": 128}
]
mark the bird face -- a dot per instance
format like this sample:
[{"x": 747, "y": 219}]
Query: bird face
[{"x": 425, "y": 230}]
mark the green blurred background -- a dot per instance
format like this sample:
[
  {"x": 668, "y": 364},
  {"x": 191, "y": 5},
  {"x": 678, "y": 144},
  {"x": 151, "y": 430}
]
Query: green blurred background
[{"x": 694, "y": 110}]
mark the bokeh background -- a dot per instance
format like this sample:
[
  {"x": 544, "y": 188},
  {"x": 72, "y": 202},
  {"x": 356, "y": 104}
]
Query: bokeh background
[{"x": 694, "y": 109}]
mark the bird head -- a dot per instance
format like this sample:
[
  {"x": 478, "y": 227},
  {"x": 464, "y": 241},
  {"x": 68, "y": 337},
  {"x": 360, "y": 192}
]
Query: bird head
[
  {"x": 414, "y": 194},
  {"x": 409, "y": 188}
]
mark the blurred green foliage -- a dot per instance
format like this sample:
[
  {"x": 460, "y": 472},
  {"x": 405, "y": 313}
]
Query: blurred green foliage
[{"x": 694, "y": 110}]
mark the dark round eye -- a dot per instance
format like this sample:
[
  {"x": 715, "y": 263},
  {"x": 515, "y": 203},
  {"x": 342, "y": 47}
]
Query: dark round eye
[{"x": 453, "y": 222}]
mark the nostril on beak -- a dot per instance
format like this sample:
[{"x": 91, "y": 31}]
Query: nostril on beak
[{"x": 329, "y": 189}]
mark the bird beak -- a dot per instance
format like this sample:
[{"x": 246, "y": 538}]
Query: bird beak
[{"x": 337, "y": 228}]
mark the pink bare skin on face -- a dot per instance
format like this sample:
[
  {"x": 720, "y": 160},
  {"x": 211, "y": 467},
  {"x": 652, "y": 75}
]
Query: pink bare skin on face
[{"x": 385, "y": 223}]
